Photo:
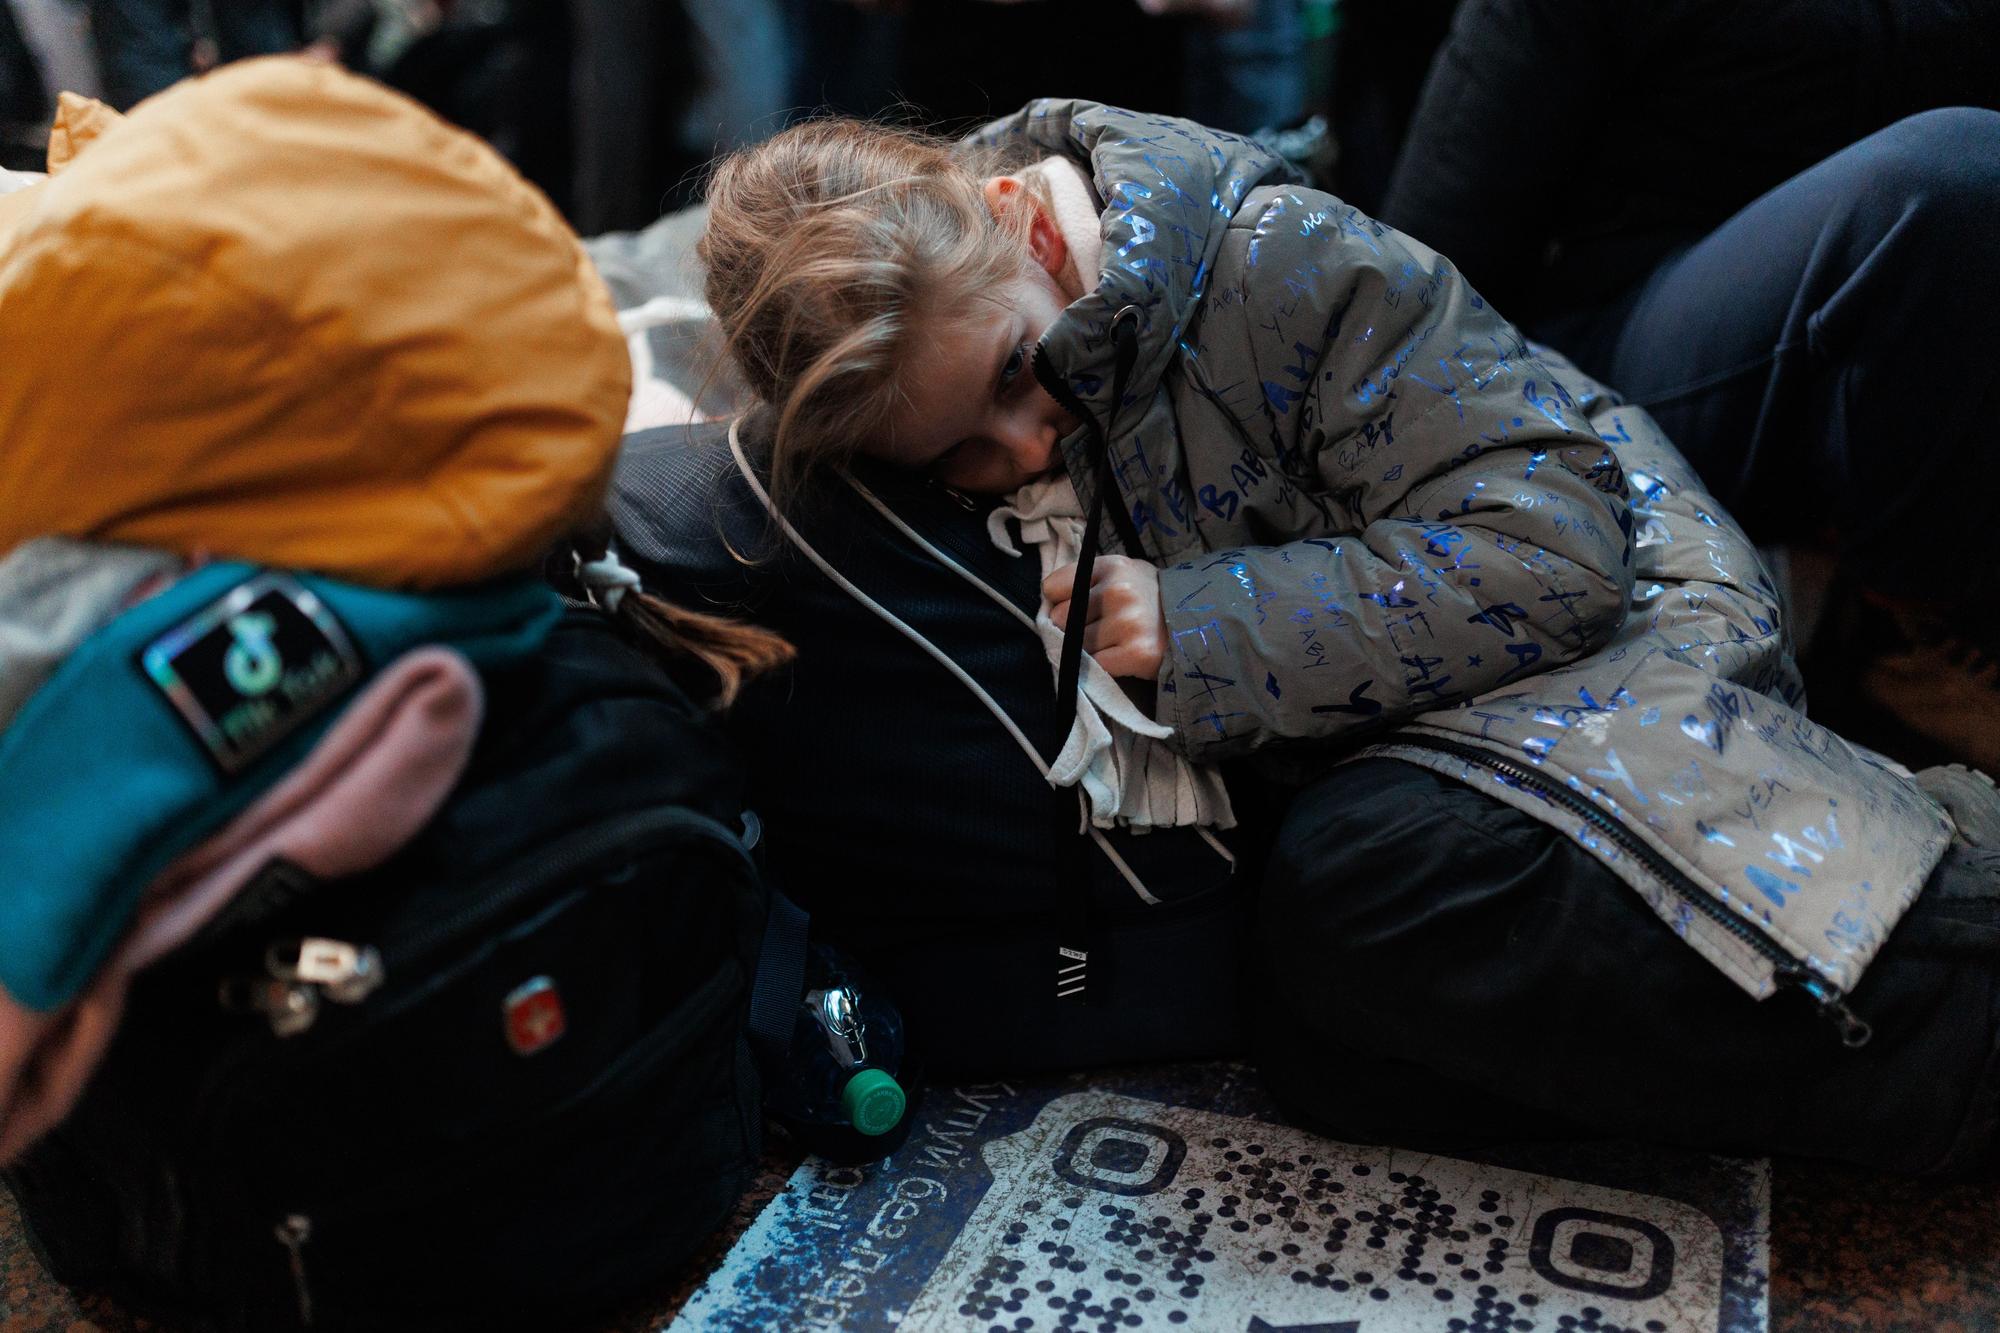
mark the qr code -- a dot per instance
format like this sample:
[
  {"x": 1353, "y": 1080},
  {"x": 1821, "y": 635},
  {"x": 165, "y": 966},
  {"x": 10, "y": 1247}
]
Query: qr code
[{"x": 1110, "y": 1213}]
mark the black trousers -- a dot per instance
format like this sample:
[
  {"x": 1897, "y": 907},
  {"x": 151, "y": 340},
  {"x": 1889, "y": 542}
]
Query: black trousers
[
  {"x": 1825, "y": 358},
  {"x": 1434, "y": 969}
]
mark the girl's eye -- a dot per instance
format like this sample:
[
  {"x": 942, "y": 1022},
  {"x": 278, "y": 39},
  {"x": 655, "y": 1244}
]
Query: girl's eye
[{"x": 1017, "y": 361}]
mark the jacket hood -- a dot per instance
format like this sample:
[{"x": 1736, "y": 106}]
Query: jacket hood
[
  {"x": 1168, "y": 189},
  {"x": 281, "y": 314}
]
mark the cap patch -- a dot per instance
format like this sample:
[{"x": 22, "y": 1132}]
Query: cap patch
[{"x": 253, "y": 666}]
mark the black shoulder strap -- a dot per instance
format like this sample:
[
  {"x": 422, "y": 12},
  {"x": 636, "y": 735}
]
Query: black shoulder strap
[{"x": 780, "y": 980}]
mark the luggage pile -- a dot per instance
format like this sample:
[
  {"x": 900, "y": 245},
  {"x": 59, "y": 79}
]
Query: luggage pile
[{"x": 376, "y": 934}]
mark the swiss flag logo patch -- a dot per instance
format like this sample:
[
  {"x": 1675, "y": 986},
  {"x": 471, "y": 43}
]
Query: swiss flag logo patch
[{"x": 534, "y": 1016}]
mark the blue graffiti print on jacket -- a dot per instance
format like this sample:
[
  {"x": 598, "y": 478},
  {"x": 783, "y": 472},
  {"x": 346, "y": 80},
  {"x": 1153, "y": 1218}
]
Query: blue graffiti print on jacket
[{"x": 1432, "y": 529}]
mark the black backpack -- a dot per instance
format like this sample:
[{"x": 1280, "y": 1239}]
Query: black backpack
[
  {"x": 422, "y": 1154},
  {"x": 900, "y": 811}
]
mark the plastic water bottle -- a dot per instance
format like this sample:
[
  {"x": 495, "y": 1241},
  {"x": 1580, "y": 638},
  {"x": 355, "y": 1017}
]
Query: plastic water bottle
[{"x": 839, "y": 1093}]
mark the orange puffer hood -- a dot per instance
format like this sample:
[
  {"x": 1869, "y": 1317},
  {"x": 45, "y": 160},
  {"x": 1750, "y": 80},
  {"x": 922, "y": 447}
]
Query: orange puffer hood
[{"x": 282, "y": 314}]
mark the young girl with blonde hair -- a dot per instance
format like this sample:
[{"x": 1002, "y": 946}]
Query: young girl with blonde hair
[{"x": 1346, "y": 505}]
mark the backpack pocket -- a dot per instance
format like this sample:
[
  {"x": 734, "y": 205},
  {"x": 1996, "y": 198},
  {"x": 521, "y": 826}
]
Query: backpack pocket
[{"x": 556, "y": 1214}]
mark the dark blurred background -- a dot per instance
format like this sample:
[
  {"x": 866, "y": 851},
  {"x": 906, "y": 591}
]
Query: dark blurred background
[
  {"x": 1449, "y": 118},
  {"x": 613, "y": 106},
  {"x": 1560, "y": 152}
]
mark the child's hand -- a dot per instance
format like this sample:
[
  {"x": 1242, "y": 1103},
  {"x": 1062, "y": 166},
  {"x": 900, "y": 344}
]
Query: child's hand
[{"x": 1126, "y": 631}]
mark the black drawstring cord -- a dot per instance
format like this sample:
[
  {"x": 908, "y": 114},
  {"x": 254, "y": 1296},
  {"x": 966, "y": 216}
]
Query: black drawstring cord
[
  {"x": 1073, "y": 940},
  {"x": 1069, "y": 667}
]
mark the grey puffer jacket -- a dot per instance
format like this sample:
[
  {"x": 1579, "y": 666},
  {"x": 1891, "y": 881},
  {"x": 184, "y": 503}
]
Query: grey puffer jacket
[{"x": 1381, "y": 515}]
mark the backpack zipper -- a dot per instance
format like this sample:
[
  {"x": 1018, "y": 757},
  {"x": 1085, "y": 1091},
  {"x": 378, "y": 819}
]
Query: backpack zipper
[
  {"x": 300, "y": 973},
  {"x": 289, "y": 995},
  {"x": 565, "y": 857},
  {"x": 293, "y": 1233},
  {"x": 1826, "y": 998},
  {"x": 368, "y": 972}
]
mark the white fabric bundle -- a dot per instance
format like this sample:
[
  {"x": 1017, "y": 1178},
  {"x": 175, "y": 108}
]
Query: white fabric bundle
[{"x": 1115, "y": 753}]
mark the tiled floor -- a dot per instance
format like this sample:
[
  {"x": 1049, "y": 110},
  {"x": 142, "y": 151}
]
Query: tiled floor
[{"x": 1851, "y": 1250}]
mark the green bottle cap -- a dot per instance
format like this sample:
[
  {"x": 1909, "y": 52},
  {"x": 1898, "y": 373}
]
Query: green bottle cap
[{"x": 874, "y": 1102}]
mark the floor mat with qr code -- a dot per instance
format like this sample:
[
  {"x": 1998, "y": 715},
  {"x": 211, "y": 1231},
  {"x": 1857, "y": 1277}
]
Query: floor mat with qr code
[{"x": 1171, "y": 1201}]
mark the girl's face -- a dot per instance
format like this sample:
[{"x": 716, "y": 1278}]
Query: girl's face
[{"x": 973, "y": 415}]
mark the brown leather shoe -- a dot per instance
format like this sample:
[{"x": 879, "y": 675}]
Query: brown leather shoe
[
  {"x": 1905, "y": 682},
  {"x": 1941, "y": 687}
]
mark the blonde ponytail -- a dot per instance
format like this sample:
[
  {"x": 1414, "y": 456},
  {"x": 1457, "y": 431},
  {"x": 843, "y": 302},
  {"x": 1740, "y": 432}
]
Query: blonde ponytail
[{"x": 730, "y": 652}]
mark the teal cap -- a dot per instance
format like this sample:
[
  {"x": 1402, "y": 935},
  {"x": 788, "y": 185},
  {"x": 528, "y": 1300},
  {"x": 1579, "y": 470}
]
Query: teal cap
[{"x": 874, "y": 1102}]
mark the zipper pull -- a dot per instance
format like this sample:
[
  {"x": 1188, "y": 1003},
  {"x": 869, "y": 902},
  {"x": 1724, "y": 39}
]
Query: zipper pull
[
  {"x": 290, "y": 1008},
  {"x": 956, "y": 496},
  {"x": 840, "y": 1016},
  {"x": 293, "y": 1233},
  {"x": 1854, "y": 1030},
  {"x": 347, "y": 974},
  {"x": 1832, "y": 1005},
  {"x": 298, "y": 973}
]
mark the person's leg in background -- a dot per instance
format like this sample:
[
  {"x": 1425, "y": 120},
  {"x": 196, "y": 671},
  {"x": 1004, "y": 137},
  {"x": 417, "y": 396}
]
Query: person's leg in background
[
  {"x": 623, "y": 99},
  {"x": 142, "y": 46},
  {"x": 1827, "y": 361},
  {"x": 1240, "y": 67},
  {"x": 849, "y": 59},
  {"x": 24, "y": 102},
  {"x": 966, "y": 61},
  {"x": 257, "y": 27},
  {"x": 1380, "y": 51},
  {"x": 746, "y": 58},
  {"x": 57, "y": 32}
]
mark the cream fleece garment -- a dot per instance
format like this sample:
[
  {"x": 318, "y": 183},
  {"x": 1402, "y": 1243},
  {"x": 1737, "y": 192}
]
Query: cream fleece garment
[
  {"x": 1076, "y": 216},
  {"x": 1115, "y": 753}
]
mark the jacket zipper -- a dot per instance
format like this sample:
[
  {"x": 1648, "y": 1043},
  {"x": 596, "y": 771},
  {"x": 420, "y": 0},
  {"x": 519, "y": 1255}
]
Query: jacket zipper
[{"x": 1824, "y": 995}]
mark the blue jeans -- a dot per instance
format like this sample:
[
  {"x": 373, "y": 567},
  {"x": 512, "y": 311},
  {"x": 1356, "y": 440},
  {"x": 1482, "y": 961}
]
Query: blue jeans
[
  {"x": 142, "y": 45},
  {"x": 1248, "y": 78},
  {"x": 1829, "y": 359}
]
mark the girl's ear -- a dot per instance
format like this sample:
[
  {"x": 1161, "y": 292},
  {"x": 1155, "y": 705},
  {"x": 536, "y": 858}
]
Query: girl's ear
[{"x": 1045, "y": 239}]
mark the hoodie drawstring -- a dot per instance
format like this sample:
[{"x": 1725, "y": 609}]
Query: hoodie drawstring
[
  {"x": 1069, "y": 670},
  {"x": 1073, "y": 936}
]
